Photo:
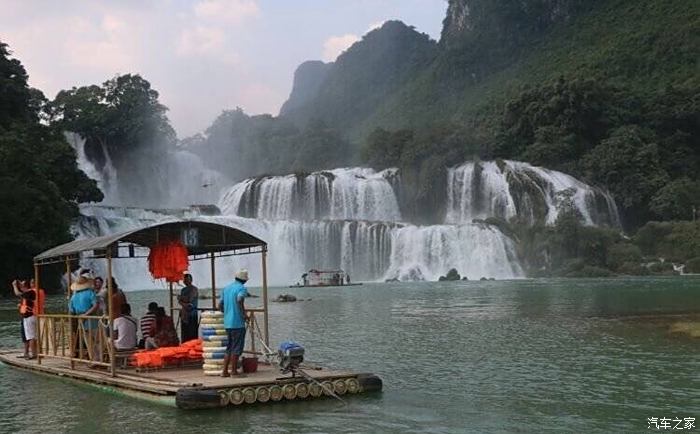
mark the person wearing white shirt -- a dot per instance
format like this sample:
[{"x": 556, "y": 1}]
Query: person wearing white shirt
[{"x": 125, "y": 327}]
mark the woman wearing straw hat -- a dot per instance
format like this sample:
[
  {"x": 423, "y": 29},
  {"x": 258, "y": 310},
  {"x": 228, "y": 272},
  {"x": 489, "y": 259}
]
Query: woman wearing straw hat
[{"x": 84, "y": 302}]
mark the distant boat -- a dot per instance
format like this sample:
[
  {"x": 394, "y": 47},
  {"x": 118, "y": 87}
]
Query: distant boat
[{"x": 324, "y": 278}]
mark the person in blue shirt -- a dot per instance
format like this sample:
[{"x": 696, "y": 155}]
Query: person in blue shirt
[
  {"x": 231, "y": 303},
  {"x": 84, "y": 302}
]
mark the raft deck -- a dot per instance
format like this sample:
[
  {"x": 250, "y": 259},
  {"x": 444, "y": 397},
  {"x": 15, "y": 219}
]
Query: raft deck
[{"x": 189, "y": 388}]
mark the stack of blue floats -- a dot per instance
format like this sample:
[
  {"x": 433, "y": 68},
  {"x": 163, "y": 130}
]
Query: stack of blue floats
[{"x": 214, "y": 341}]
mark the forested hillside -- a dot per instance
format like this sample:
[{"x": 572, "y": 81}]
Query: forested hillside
[
  {"x": 607, "y": 91},
  {"x": 364, "y": 76}
]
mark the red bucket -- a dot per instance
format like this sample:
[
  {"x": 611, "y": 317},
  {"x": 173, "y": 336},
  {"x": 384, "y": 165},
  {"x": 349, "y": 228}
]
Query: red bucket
[{"x": 250, "y": 364}]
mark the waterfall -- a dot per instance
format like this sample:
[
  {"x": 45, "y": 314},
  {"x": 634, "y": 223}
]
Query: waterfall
[
  {"x": 366, "y": 250},
  {"x": 349, "y": 218},
  {"x": 477, "y": 190},
  {"x": 475, "y": 250},
  {"x": 340, "y": 194},
  {"x": 178, "y": 178},
  {"x": 106, "y": 177},
  {"x": 361, "y": 248}
]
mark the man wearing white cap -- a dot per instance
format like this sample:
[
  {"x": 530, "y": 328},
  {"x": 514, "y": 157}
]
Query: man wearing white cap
[{"x": 231, "y": 303}]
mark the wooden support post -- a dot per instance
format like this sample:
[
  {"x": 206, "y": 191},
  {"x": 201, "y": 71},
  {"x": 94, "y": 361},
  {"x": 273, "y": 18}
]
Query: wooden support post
[
  {"x": 71, "y": 340},
  {"x": 170, "y": 289},
  {"x": 68, "y": 279},
  {"x": 110, "y": 309},
  {"x": 213, "y": 281},
  {"x": 37, "y": 341},
  {"x": 264, "y": 294}
]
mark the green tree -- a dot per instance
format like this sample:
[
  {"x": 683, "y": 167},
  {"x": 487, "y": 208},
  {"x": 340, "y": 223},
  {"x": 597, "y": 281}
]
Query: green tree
[
  {"x": 628, "y": 162},
  {"x": 384, "y": 148},
  {"x": 121, "y": 116},
  {"x": 558, "y": 121},
  {"x": 320, "y": 147},
  {"x": 121, "y": 121},
  {"x": 677, "y": 200}
]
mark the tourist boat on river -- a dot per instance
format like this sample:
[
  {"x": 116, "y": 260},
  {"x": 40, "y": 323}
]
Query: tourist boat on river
[
  {"x": 321, "y": 278},
  {"x": 67, "y": 349}
]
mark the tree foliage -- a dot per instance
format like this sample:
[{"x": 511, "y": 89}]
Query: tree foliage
[
  {"x": 245, "y": 146},
  {"x": 121, "y": 121},
  {"x": 42, "y": 184},
  {"x": 122, "y": 114},
  {"x": 677, "y": 200},
  {"x": 423, "y": 157}
]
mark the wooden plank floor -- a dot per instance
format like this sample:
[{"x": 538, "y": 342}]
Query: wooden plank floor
[
  {"x": 163, "y": 382},
  {"x": 266, "y": 374}
]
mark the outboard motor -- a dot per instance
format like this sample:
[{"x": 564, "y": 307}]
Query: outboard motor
[{"x": 291, "y": 354}]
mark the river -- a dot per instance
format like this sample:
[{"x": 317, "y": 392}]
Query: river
[{"x": 573, "y": 355}]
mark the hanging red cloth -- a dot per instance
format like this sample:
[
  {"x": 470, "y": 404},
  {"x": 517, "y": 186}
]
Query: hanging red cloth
[{"x": 168, "y": 260}]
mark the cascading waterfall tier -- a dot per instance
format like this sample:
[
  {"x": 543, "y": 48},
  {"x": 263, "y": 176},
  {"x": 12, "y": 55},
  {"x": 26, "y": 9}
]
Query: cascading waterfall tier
[
  {"x": 366, "y": 250},
  {"x": 509, "y": 189},
  {"x": 349, "y": 219},
  {"x": 362, "y": 248},
  {"x": 338, "y": 194},
  {"x": 476, "y": 250},
  {"x": 106, "y": 177}
]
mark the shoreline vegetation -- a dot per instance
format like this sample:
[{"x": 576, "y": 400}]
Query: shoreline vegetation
[{"x": 570, "y": 249}]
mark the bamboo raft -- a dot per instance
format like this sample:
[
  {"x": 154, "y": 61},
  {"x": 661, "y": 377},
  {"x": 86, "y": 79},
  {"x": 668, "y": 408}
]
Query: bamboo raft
[
  {"x": 189, "y": 388},
  {"x": 96, "y": 362}
]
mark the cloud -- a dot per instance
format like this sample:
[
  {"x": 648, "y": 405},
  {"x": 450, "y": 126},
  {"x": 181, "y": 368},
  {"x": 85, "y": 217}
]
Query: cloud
[
  {"x": 226, "y": 11},
  {"x": 107, "y": 46},
  {"x": 201, "y": 40},
  {"x": 375, "y": 25},
  {"x": 335, "y": 45}
]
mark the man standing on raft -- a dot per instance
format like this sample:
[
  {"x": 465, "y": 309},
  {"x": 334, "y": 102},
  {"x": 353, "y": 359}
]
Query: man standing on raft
[
  {"x": 189, "y": 316},
  {"x": 231, "y": 303}
]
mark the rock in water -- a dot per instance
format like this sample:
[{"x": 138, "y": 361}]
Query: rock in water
[
  {"x": 285, "y": 298},
  {"x": 452, "y": 275}
]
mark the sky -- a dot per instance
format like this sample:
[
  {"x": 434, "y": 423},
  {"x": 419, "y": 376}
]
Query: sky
[{"x": 202, "y": 56}]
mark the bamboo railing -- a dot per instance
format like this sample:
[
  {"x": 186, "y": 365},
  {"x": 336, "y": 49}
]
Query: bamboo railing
[{"x": 75, "y": 338}]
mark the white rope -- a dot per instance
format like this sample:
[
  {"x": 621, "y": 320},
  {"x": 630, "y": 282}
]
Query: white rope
[{"x": 270, "y": 356}]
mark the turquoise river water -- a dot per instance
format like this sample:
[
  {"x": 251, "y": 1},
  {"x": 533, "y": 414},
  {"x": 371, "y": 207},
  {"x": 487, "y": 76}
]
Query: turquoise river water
[{"x": 575, "y": 355}]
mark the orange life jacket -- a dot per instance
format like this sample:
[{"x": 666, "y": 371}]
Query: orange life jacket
[{"x": 36, "y": 307}]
